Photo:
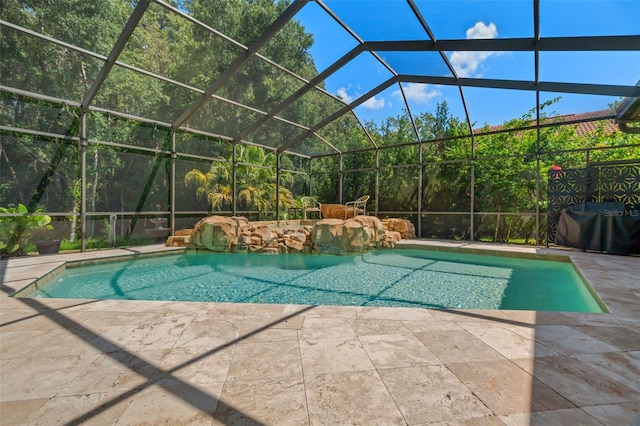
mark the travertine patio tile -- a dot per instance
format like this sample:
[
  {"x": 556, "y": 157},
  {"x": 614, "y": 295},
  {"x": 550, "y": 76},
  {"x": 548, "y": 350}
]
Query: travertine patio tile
[
  {"x": 365, "y": 327},
  {"x": 577, "y": 381},
  {"x": 247, "y": 309},
  {"x": 616, "y": 414},
  {"x": 555, "y": 318},
  {"x": 506, "y": 389},
  {"x": 356, "y": 397},
  {"x": 18, "y": 345},
  {"x": 210, "y": 333},
  {"x": 572, "y": 416},
  {"x": 266, "y": 360},
  {"x": 154, "y": 330},
  {"x": 397, "y": 350},
  {"x": 148, "y": 307},
  {"x": 101, "y": 320},
  {"x": 624, "y": 367},
  {"x": 614, "y": 320},
  {"x": 431, "y": 394},
  {"x": 399, "y": 314},
  {"x": 61, "y": 342},
  {"x": 625, "y": 308},
  {"x": 471, "y": 316},
  {"x": 20, "y": 412},
  {"x": 623, "y": 338},
  {"x": 255, "y": 329},
  {"x": 26, "y": 319},
  {"x": 483, "y": 421},
  {"x": 567, "y": 340},
  {"x": 333, "y": 355},
  {"x": 293, "y": 321},
  {"x": 522, "y": 318},
  {"x": 194, "y": 365},
  {"x": 253, "y": 402},
  {"x": 26, "y": 379},
  {"x": 510, "y": 344},
  {"x": 526, "y": 331},
  {"x": 324, "y": 328},
  {"x": 114, "y": 372},
  {"x": 29, "y": 271},
  {"x": 177, "y": 405},
  {"x": 321, "y": 311},
  {"x": 429, "y": 326},
  {"x": 170, "y": 354},
  {"x": 103, "y": 408},
  {"x": 456, "y": 346},
  {"x": 10, "y": 287}
]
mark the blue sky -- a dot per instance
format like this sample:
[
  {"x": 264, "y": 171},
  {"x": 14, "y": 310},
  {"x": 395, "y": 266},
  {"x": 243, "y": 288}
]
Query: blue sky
[{"x": 459, "y": 19}]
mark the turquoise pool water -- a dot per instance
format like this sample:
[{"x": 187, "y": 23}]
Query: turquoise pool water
[{"x": 414, "y": 278}]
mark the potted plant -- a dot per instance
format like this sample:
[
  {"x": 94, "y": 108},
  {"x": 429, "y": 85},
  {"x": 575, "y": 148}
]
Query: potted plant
[
  {"x": 46, "y": 245},
  {"x": 12, "y": 229}
]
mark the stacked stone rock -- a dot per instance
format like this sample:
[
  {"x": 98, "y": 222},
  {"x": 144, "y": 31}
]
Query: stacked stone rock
[
  {"x": 327, "y": 236},
  {"x": 402, "y": 226}
]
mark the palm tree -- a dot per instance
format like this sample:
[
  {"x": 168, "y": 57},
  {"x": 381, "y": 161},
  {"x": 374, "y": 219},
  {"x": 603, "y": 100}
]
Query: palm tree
[{"x": 255, "y": 180}]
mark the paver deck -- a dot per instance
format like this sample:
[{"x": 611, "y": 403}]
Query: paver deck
[{"x": 143, "y": 362}]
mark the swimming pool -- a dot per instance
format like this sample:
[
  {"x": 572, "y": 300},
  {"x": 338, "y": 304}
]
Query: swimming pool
[{"x": 402, "y": 277}]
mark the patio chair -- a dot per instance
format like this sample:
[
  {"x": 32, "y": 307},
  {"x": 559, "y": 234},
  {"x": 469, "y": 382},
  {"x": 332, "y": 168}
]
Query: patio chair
[
  {"x": 310, "y": 205},
  {"x": 356, "y": 207}
]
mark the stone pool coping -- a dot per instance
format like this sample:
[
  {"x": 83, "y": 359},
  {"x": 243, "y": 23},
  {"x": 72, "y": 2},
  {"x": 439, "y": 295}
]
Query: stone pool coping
[{"x": 125, "y": 362}]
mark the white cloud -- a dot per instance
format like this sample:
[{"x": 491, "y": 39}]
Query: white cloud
[
  {"x": 481, "y": 30},
  {"x": 342, "y": 94},
  {"x": 373, "y": 103},
  {"x": 418, "y": 93},
  {"x": 466, "y": 64}
]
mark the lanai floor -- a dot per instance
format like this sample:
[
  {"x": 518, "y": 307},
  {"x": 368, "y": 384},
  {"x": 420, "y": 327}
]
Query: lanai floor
[{"x": 139, "y": 362}]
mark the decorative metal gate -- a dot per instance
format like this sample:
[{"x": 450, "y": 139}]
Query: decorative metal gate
[{"x": 598, "y": 182}]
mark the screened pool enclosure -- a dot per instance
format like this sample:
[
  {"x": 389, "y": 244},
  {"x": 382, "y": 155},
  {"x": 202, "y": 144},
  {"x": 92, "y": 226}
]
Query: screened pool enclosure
[{"x": 448, "y": 113}]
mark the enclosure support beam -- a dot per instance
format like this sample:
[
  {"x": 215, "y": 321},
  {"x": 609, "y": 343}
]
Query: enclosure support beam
[
  {"x": 172, "y": 208},
  {"x": 546, "y": 44},
  {"x": 118, "y": 47},
  {"x": 472, "y": 193},
  {"x": 278, "y": 189},
  {"x": 420, "y": 172},
  {"x": 280, "y": 22},
  {"x": 543, "y": 86},
  {"x": 82, "y": 150},
  {"x": 234, "y": 166},
  {"x": 536, "y": 63},
  {"x": 472, "y": 183},
  {"x": 377, "y": 188},
  {"x": 310, "y": 178},
  {"x": 538, "y": 185},
  {"x": 340, "y": 180},
  {"x": 362, "y": 99},
  {"x": 302, "y": 91}
]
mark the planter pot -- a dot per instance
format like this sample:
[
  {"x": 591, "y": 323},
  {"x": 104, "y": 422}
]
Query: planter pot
[{"x": 48, "y": 247}]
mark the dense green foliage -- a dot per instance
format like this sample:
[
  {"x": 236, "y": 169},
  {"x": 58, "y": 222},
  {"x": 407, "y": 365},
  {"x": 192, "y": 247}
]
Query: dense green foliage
[
  {"x": 129, "y": 163},
  {"x": 255, "y": 182},
  {"x": 12, "y": 228},
  {"x": 505, "y": 171}
]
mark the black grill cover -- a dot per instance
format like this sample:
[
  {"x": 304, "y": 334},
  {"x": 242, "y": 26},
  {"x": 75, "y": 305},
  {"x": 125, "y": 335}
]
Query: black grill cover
[{"x": 609, "y": 227}]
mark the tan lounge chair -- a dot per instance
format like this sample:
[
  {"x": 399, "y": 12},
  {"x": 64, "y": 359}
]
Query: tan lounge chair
[
  {"x": 356, "y": 207},
  {"x": 310, "y": 205}
]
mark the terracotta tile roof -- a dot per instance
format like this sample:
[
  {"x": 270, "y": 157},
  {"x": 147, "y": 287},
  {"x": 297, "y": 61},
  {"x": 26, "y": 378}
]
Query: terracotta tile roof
[{"x": 586, "y": 122}]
